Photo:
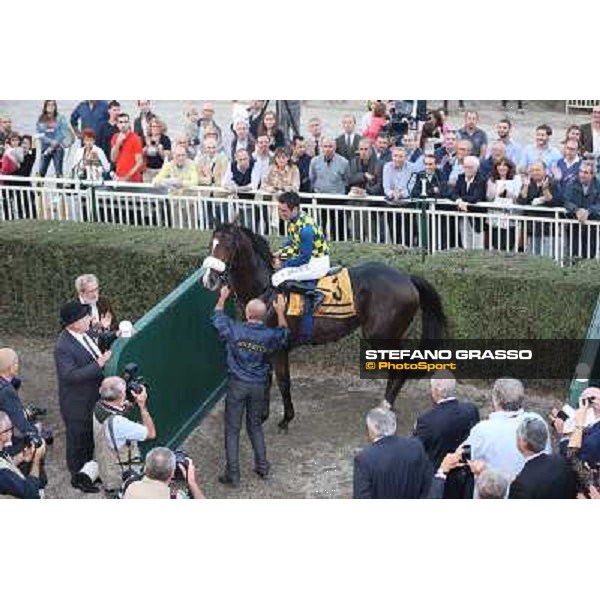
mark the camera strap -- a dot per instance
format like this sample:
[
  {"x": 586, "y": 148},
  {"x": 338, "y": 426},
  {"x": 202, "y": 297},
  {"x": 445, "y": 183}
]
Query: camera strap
[{"x": 111, "y": 431}]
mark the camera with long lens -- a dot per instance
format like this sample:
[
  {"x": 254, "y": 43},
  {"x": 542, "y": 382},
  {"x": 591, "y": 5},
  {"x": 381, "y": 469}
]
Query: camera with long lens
[
  {"x": 134, "y": 382},
  {"x": 400, "y": 118},
  {"x": 33, "y": 414}
]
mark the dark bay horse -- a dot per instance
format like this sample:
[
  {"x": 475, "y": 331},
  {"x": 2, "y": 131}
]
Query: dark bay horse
[{"x": 385, "y": 299}]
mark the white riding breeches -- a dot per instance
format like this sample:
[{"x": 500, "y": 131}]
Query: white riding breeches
[{"x": 314, "y": 269}]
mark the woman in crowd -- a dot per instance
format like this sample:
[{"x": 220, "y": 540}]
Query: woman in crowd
[
  {"x": 282, "y": 177},
  {"x": 433, "y": 131},
  {"x": 377, "y": 121},
  {"x": 29, "y": 156},
  {"x": 503, "y": 188},
  {"x": 270, "y": 128},
  {"x": 90, "y": 162},
  {"x": 157, "y": 147},
  {"x": 52, "y": 128}
]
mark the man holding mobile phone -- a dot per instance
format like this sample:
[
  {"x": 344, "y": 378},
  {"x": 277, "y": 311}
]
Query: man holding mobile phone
[{"x": 584, "y": 441}]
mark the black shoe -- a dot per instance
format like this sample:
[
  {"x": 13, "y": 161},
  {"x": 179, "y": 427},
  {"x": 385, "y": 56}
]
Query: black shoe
[
  {"x": 82, "y": 482},
  {"x": 263, "y": 473},
  {"x": 227, "y": 479}
]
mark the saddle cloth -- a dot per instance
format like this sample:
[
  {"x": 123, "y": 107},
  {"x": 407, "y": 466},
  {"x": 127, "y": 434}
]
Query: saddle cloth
[{"x": 338, "y": 302}]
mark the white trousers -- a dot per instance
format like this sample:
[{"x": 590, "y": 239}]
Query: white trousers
[{"x": 314, "y": 269}]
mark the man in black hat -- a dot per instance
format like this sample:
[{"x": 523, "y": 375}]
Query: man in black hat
[{"x": 79, "y": 365}]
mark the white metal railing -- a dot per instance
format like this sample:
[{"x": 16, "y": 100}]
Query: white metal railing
[
  {"x": 429, "y": 225},
  {"x": 581, "y": 104}
]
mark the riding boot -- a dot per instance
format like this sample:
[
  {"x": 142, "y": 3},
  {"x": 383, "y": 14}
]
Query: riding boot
[{"x": 317, "y": 299}]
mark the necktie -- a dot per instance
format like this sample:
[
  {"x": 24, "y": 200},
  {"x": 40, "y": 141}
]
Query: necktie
[
  {"x": 90, "y": 346},
  {"x": 316, "y": 147},
  {"x": 349, "y": 142}
]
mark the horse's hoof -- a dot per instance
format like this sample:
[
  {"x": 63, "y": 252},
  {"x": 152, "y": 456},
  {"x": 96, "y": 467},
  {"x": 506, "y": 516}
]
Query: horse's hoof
[
  {"x": 264, "y": 418},
  {"x": 283, "y": 426},
  {"x": 385, "y": 405}
]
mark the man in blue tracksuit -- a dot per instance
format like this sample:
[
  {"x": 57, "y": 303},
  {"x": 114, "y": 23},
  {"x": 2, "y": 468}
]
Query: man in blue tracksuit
[{"x": 247, "y": 347}]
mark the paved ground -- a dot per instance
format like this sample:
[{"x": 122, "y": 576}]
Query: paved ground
[{"x": 313, "y": 460}]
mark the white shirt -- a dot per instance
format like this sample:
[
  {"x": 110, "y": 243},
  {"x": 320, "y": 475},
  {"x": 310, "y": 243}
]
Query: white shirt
[
  {"x": 595, "y": 141},
  {"x": 80, "y": 337},
  {"x": 124, "y": 430},
  {"x": 95, "y": 314},
  {"x": 99, "y": 152},
  {"x": 262, "y": 166},
  {"x": 495, "y": 441}
]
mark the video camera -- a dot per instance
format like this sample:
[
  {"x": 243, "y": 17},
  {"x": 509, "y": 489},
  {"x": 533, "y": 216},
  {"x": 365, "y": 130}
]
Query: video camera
[
  {"x": 133, "y": 381},
  {"x": 44, "y": 434},
  {"x": 401, "y": 119}
]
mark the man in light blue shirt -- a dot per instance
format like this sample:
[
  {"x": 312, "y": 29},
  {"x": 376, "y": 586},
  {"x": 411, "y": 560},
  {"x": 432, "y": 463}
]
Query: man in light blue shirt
[
  {"x": 397, "y": 184},
  {"x": 541, "y": 151},
  {"x": 397, "y": 176},
  {"x": 494, "y": 441},
  {"x": 115, "y": 435},
  {"x": 511, "y": 148}
]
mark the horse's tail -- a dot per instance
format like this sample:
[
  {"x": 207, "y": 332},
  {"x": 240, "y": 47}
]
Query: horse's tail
[{"x": 434, "y": 319}]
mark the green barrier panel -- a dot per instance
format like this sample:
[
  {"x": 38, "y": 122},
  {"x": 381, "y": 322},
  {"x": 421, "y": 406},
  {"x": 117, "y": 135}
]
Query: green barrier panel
[
  {"x": 180, "y": 357},
  {"x": 588, "y": 369}
]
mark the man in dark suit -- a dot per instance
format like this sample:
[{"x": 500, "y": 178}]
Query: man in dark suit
[
  {"x": 470, "y": 189},
  {"x": 443, "y": 428},
  {"x": 393, "y": 466},
  {"x": 544, "y": 475},
  {"x": 346, "y": 145},
  {"x": 79, "y": 365},
  {"x": 365, "y": 171}
]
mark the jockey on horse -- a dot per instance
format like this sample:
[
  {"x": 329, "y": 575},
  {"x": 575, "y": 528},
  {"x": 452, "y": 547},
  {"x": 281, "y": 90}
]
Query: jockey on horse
[{"x": 304, "y": 257}]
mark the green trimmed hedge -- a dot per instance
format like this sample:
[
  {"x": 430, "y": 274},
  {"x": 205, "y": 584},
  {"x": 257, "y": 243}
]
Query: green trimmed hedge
[{"x": 485, "y": 295}]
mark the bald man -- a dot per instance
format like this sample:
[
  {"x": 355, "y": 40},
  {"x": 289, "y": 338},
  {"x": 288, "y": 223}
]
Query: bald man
[
  {"x": 247, "y": 349},
  {"x": 9, "y": 398}
]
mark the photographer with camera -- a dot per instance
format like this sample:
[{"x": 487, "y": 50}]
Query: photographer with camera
[
  {"x": 583, "y": 446},
  {"x": 13, "y": 484},
  {"x": 116, "y": 437},
  {"x": 159, "y": 471},
  {"x": 10, "y": 402}
]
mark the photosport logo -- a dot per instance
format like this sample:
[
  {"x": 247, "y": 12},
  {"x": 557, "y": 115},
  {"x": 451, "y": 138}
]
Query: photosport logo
[{"x": 470, "y": 359}]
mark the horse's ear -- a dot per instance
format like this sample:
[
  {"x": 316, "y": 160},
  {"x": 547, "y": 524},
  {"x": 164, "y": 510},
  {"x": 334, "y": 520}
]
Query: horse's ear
[{"x": 236, "y": 221}]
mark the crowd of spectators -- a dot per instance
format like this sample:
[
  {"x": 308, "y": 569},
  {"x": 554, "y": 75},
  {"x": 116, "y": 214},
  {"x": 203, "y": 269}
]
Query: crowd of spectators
[{"x": 381, "y": 153}]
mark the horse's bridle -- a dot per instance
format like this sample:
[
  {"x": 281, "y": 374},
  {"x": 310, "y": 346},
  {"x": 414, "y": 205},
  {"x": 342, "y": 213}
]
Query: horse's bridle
[{"x": 223, "y": 270}]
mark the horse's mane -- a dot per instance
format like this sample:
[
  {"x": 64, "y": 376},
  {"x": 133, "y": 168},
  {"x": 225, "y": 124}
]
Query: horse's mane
[
  {"x": 259, "y": 243},
  {"x": 260, "y": 246}
]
